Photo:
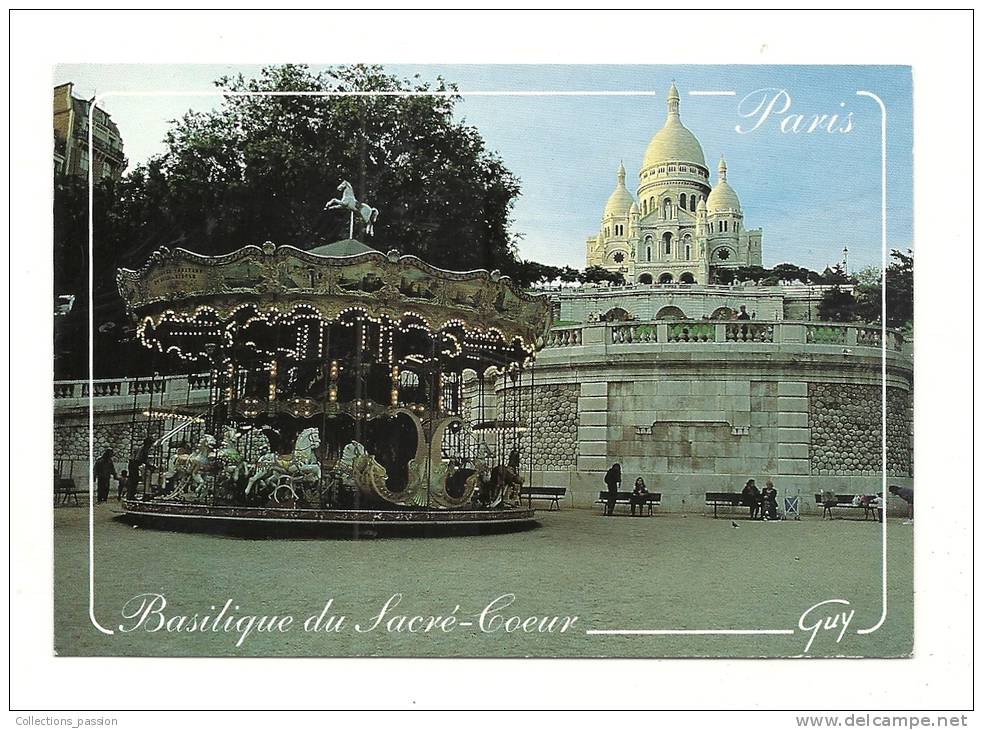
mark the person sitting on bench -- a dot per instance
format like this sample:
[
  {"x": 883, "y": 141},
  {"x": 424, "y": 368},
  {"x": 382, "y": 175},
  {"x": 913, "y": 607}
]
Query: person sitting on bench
[
  {"x": 829, "y": 501},
  {"x": 769, "y": 502},
  {"x": 751, "y": 497},
  {"x": 639, "y": 496}
]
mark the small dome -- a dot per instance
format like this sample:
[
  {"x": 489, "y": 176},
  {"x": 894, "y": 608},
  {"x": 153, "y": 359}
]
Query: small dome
[
  {"x": 702, "y": 205},
  {"x": 620, "y": 202},
  {"x": 673, "y": 142},
  {"x": 722, "y": 197}
]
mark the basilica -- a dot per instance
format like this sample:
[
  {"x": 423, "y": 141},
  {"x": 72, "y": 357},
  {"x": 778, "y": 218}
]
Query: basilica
[{"x": 677, "y": 225}]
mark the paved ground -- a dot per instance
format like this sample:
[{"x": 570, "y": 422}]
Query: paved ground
[{"x": 665, "y": 572}]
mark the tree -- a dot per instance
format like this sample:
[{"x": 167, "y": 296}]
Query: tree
[
  {"x": 837, "y": 305},
  {"x": 261, "y": 168},
  {"x": 901, "y": 290},
  {"x": 600, "y": 275}
]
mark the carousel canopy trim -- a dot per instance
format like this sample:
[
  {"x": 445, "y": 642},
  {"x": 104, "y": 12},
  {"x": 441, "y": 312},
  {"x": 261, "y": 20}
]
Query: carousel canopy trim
[{"x": 180, "y": 284}]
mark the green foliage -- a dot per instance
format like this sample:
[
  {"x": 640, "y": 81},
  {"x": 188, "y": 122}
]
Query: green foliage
[
  {"x": 837, "y": 305},
  {"x": 600, "y": 275},
  {"x": 261, "y": 168},
  {"x": 900, "y": 292}
]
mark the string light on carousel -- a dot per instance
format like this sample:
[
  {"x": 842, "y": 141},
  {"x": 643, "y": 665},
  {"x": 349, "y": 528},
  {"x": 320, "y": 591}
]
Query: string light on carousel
[{"x": 345, "y": 385}]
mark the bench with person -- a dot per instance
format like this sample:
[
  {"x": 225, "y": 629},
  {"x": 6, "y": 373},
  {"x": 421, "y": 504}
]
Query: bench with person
[
  {"x": 649, "y": 499},
  {"x": 552, "y": 494},
  {"x": 827, "y": 500}
]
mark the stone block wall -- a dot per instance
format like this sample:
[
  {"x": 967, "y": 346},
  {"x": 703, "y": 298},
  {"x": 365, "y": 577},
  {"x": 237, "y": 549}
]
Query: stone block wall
[{"x": 845, "y": 422}]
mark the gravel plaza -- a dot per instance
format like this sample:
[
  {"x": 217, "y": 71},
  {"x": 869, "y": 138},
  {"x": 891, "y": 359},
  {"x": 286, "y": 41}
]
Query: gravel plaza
[{"x": 669, "y": 571}]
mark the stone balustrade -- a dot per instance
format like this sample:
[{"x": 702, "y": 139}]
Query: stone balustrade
[
  {"x": 122, "y": 392},
  {"x": 730, "y": 332}
]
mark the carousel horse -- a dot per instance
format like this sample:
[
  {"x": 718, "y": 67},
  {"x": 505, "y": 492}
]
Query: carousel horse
[
  {"x": 231, "y": 466},
  {"x": 274, "y": 472},
  {"x": 368, "y": 214},
  {"x": 187, "y": 470}
]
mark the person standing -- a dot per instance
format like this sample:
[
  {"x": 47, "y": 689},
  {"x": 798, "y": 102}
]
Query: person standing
[
  {"x": 104, "y": 470},
  {"x": 122, "y": 485},
  {"x": 613, "y": 480},
  {"x": 138, "y": 466}
]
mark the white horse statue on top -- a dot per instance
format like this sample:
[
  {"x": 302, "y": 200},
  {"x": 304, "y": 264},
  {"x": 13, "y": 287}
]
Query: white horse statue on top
[{"x": 347, "y": 201}]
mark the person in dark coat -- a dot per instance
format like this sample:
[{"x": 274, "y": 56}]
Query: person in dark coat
[
  {"x": 613, "y": 480},
  {"x": 104, "y": 469},
  {"x": 751, "y": 498},
  {"x": 139, "y": 461}
]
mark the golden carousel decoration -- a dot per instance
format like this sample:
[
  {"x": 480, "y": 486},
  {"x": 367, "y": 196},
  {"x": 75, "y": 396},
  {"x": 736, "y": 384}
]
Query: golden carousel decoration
[{"x": 345, "y": 386}]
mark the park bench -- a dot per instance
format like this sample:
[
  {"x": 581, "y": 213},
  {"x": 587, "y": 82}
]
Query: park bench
[
  {"x": 652, "y": 499},
  {"x": 553, "y": 494},
  {"x": 724, "y": 499},
  {"x": 846, "y": 500},
  {"x": 65, "y": 490}
]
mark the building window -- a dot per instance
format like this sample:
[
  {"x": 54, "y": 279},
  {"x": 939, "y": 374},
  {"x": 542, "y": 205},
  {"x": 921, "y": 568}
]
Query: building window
[
  {"x": 619, "y": 257},
  {"x": 645, "y": 207},
  {"x": 682, "y": 201},
  {"x": 665, "y": 279},
  {"x": 648, "y": 254},
  {"x": 692, "y": 203},
  {"x": 720, "y": 226},
  {"x": 667, "y": 243},
  {"x": 645, "y": 279},
  {"x": 736, "y": 224},
  {"x": 723, "y": 254}
]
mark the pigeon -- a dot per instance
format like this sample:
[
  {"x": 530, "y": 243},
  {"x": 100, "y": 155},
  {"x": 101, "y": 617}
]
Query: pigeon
[{"x": 734, "y": 524}]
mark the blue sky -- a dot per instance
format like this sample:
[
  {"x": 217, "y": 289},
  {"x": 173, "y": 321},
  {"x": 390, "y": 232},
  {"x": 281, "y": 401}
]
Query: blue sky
[{"x": 812, "y": 193}]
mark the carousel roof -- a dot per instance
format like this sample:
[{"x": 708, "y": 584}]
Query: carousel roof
[{"x": 331, "y": 281}]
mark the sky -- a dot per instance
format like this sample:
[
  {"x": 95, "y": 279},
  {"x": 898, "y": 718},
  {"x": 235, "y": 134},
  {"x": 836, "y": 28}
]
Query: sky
[{"x": 813, "y": 193}]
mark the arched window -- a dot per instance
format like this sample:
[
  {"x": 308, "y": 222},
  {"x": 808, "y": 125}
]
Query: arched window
[
  {"x": 687, "y": 278},
  {"x": 670, "y": 312},
  {"x": 645, "y": 279},
  {"x": 666, "y": 278},
  {"x": 648, "y": 254},
  {"x": 720, "y": 226},
  {"x": 682, "y": 201},
  {"x": 736, "y": 224},
  {"x": 687, "y": 247},
  {"x": 692, "y": 203},
  {"x": 652, "y": 204},
  {"x": 645, "y": 207},
  {"x": 723, "y": 313},
  {"x": 616, "y": 314},
  {"x": 725, "y": 226},
  {"x": 667, "y": 243}
]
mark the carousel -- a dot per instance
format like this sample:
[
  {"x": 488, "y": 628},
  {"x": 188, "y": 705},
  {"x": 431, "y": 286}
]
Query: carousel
[{"x": 345, "y": 386}]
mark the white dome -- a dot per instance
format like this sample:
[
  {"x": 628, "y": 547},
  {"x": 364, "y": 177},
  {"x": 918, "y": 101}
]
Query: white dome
[
  {"x": 673, "y": 142},
  {"x": 620, "y": 202},
  {"x": 722, "y": 197}
]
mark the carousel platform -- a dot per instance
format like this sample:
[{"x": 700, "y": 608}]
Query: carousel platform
[{"x": 298, "y": 522}]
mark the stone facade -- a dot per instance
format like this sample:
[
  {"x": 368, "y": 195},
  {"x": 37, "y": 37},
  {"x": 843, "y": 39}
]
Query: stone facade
[
  {"x": 700, "y": 414},
  {"x": 845, "y": 426}
]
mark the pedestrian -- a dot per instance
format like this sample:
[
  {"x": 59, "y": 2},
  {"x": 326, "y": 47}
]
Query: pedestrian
[
  {"x": 828, "y": 499},
  {"x": 138, "y": 466},
  {"x": 769, "y": 502},
  {"x": 908, "y": 495},
  {"x": 122, "y": 485},
  {"x": 639, "y": 496},
  {"x": 751, "y": 498},
  {"x": 104, "y": 470},
  {"x": 613, "y": 480}
]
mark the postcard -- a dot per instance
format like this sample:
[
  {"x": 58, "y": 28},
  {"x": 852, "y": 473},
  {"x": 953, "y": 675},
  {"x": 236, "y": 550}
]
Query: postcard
[{"x": 483, "y": 361}]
